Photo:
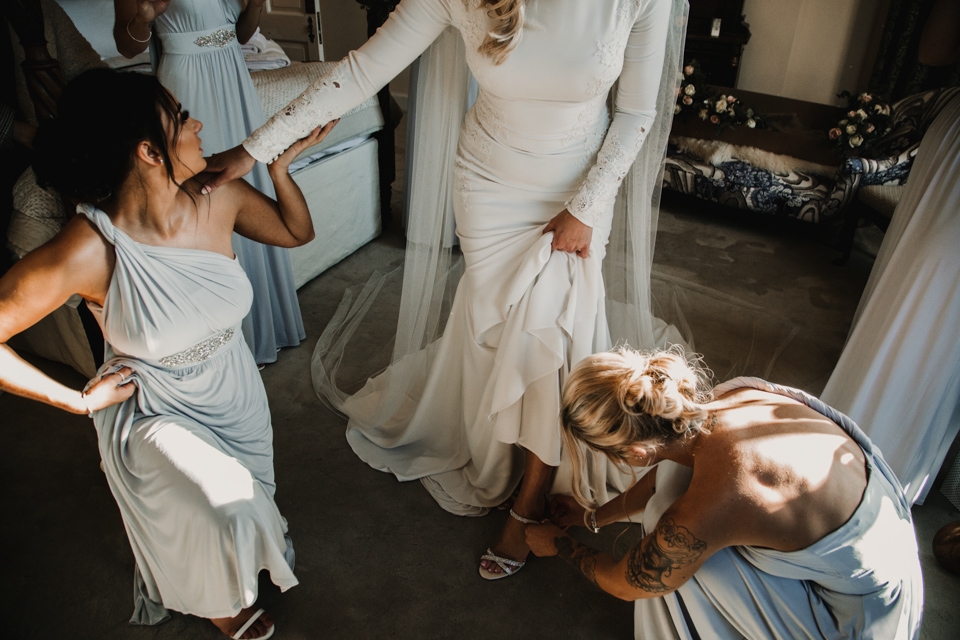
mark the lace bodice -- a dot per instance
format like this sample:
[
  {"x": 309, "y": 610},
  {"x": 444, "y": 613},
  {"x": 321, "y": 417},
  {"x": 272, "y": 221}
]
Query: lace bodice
[{"x": 551, "y": 86}]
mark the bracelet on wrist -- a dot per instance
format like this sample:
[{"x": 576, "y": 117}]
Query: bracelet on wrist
[
  {"x": 590, "y": 520},
  {"x": 83, "y": 396},
  {"x": 135, "y": 38}
]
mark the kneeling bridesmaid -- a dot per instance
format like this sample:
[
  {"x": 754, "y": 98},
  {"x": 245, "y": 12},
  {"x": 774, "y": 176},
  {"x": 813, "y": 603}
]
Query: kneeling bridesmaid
[{"x": 767, "y": 514}]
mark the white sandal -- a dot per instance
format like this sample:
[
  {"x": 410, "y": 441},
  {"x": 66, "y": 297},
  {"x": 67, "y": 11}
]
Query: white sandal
[
  {"x": 508, "y": 566},
  {"x": 249, "y": 623}
]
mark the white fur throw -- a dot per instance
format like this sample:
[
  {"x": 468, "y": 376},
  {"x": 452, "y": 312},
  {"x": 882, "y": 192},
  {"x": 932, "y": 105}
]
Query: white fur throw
[{"x": 716, "y": 152}]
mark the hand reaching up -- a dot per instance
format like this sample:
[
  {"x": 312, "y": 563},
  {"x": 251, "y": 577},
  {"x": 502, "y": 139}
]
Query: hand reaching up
[
  {"x": 312, "y": 138},
  {"x": 237, "y": 162}
]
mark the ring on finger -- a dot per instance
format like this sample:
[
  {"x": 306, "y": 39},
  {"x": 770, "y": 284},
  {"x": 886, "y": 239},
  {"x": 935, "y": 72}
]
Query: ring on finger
[{"x": 122, "y": 377}]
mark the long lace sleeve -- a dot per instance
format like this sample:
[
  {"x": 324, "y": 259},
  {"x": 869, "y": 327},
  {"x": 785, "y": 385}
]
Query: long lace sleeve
[
  {"x": 635, "y": 111},
  {"x": 410, "y": 29}
]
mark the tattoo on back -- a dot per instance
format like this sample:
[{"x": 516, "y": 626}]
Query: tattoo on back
[
  {"x": 671, "y": 547},
  {"x": 582, "y": 557}
]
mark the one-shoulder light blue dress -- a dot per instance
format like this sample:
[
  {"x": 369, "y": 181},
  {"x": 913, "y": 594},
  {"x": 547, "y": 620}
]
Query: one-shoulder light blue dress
[{"x": 189, "y": 457}]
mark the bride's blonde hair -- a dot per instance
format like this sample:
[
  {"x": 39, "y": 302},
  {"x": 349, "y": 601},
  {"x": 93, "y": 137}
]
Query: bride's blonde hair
[
  {"x": 505, "y": 35},
  {"x": 615, "y": 399}
]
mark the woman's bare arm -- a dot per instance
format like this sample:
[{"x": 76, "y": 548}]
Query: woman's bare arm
[
  {"x": 565, "y": 512},
  {"x": 661, "y": 562},
  {"x": 286, "y": 222},
  {"x": 75, "y": 261},
  {"x": 249, "y": 20},
  {"x": 131, "y": 24}
]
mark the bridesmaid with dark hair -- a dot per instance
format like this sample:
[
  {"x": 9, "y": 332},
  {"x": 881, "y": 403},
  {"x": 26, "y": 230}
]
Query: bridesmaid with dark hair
[
  {"x": 180, "y": 410},
  {"x": 201, "y": 63}
]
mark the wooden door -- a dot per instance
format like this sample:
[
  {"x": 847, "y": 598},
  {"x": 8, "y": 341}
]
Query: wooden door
[{"x": 295, "y": 26}]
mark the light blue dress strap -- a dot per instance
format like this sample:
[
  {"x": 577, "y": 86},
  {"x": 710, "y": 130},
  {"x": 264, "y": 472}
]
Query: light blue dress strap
[{"x": 100, "y": 220}]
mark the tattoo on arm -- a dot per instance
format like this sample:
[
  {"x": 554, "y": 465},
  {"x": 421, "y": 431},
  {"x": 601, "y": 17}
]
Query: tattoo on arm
[
  {"x": 670, "y": 547},
  {"x": 579, "y": 556}
]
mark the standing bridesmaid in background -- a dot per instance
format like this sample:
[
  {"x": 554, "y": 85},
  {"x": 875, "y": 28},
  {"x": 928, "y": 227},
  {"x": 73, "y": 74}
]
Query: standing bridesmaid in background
[
  {"x": 201, "y": 63},
  {"x": 899, "y": 373}
]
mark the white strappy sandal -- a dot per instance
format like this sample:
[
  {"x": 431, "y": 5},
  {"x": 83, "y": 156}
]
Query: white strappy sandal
[
  {"x": 508, "y": 566},
  {"x": 249, "y": 623}
]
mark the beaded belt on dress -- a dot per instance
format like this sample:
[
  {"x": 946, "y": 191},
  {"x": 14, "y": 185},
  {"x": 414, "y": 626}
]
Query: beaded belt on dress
[
  {"x": 198, "y": 352},
  {"x": 198, "y": 41}
]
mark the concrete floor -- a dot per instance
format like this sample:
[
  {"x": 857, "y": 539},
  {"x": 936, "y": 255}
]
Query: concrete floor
[{"x": 377, "y": 558}]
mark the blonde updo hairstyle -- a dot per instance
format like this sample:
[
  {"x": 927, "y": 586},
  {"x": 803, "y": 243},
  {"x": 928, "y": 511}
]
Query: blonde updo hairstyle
[
  {"x": 616, "y": 399},
  {"x": 505, "y": 35}
]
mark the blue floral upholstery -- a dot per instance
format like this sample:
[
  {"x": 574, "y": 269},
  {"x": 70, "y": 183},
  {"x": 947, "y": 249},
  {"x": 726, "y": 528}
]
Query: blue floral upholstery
[
  {"x": 796, "y": 194},
  {"x": 802, "y": 194}
]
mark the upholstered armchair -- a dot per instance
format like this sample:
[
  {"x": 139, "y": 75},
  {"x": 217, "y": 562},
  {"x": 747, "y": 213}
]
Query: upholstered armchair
[{"x": 878, "y": 183}]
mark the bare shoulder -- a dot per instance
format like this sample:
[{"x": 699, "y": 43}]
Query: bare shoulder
[
  {"x": 225, "y": 201},
  {"x": 79, "y": 243},
  {"x": 794, "y": 475},
  {"x": 78, "y": 260}
]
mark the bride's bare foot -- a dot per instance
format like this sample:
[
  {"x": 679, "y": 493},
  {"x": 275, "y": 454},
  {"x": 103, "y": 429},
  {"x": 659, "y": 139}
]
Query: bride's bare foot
[{"x": 262, "y": 626}]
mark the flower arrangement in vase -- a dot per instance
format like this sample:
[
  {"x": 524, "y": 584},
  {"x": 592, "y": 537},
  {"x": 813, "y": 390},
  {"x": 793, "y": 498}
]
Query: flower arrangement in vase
[
  {"x": 692, "y": 89},
  {"x": 867, "y": 120},
  {"x": 725, "y": 111}
]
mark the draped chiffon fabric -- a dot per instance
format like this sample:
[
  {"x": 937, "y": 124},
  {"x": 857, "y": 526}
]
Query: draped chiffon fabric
[
  {"x": 899, "y": 372},
  {"x": 212, "y": 82},
  {"x": 189, "y": 457},
  {"x": 862, "y": 580}
]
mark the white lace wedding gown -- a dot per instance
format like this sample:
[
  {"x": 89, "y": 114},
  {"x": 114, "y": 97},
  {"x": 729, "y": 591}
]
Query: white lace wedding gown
[{"x": 538, "y": 140}]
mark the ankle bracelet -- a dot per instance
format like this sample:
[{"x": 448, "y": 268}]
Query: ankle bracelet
[{"x": 516, "y": 516}]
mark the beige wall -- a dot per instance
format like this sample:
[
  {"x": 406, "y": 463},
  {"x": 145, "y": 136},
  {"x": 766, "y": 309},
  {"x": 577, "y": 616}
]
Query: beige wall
[
  {"x": 810, "y": 49},
  {"x": 344, "y": 25},
  {"x": 344, "y": 29},
  {"x": 803, "y": 49}
]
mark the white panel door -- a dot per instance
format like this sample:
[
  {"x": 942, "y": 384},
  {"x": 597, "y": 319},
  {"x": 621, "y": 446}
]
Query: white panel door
[{"x": 295, "y": 26}]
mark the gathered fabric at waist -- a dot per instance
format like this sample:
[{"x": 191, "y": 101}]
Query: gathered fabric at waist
[
  {"x": 189, "y": 359},
  {"x": 194, "y": 42},
  {"x": 536, "y": 126}
]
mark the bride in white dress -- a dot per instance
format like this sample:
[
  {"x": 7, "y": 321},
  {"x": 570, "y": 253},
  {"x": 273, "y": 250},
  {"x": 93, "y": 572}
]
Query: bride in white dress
[{"x": 532, "y": 173}]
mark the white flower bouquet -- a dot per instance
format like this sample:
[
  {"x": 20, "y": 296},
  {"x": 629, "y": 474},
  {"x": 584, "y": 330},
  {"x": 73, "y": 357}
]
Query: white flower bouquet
[
  {"x": 725, "y": 111},
  {"x": 867, "y": 120}
]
